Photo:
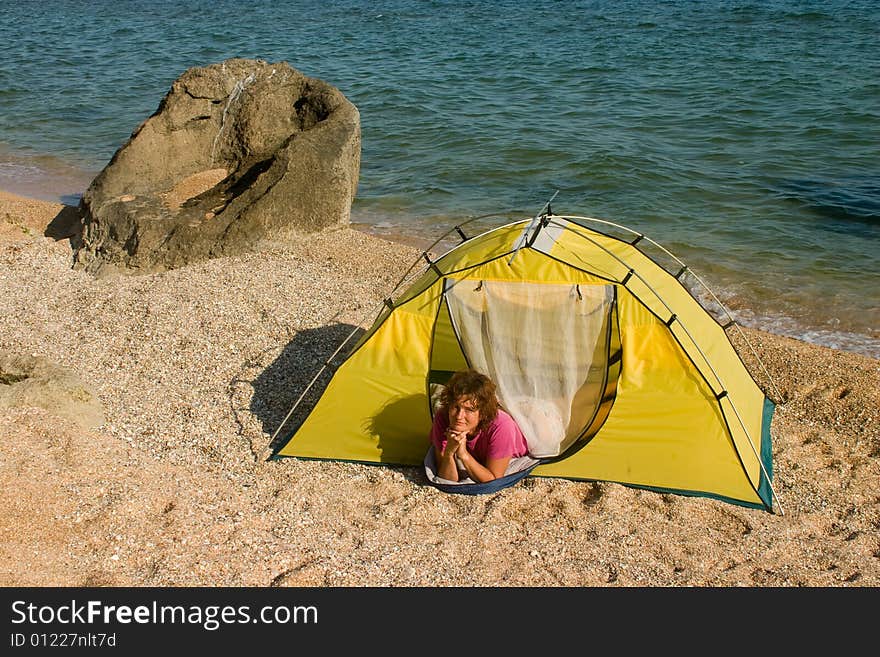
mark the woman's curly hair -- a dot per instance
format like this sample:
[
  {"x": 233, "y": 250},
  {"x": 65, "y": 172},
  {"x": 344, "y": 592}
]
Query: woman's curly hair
[{"x": 472, "y": 385}]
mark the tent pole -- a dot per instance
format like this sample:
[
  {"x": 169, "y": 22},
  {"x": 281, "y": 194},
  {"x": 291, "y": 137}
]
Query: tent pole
[
  {"x": 696, "y": 345},
  {"x": 312, "y": 382},
  {"x": 530, "y": 227},
  {"x": 699, "y": 280}
]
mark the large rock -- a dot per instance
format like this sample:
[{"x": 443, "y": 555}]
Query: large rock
[{"x": 240, "y": 156}]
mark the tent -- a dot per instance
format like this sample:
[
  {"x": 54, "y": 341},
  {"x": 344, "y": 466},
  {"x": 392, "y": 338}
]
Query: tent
[{"x": 609, "y": 363}]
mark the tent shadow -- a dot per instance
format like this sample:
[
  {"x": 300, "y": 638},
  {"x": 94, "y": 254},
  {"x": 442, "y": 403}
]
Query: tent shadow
[
  {"x": 277, "y": 388},
  {"x": 390, "y": 424},
  {"x": 303, "y": 359}
]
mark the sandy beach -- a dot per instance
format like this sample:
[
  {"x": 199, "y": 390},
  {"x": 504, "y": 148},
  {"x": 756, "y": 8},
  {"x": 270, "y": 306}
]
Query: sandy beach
[{"x": 196, "y": 367}]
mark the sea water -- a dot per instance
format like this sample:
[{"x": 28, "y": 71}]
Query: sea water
[{"x": 742, "y": 136}]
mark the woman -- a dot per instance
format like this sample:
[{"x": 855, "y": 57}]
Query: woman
[{"x": 472, "y": 436}]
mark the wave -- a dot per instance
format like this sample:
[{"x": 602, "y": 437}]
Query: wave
[{"x": 848, "y": 200}]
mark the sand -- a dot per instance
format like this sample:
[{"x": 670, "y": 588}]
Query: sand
[{"x": 196, "y": 367}]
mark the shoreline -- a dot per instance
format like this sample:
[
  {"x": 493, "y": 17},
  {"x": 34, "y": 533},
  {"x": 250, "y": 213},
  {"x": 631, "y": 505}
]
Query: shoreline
[
  {"x": 195, "y": 368},
  {"x": 776, "y": 324}
]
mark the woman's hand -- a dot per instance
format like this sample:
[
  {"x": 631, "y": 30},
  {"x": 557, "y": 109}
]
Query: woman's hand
[{"x": 456, "y": 443}]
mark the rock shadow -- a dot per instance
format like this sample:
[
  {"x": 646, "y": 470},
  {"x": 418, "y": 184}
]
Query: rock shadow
[
  {"x": 65, "y": 225},
  {"x": 304, "y": 368}
]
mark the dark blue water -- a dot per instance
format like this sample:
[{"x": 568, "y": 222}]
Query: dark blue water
[{"x": 742, "y": 136}]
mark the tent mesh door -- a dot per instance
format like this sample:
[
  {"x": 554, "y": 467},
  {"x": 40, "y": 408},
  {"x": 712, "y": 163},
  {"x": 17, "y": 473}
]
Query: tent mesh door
[{"x": 545, "y": 346}]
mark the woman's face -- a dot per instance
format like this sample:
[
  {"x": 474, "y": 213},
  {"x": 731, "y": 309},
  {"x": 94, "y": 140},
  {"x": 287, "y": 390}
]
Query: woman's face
[{"x": 464, "y": 415}]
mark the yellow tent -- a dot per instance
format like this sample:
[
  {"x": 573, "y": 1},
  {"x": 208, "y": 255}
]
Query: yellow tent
[{"x": 611, "y": 366}]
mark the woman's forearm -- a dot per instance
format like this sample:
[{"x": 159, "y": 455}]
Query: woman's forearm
[
  {"x": 476, "y": 470},
  {"x": 446, "y": 466}
]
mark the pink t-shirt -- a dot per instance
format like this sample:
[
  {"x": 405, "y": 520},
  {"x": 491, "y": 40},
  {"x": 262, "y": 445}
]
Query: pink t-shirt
[{"x": 500, "y": 439}]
